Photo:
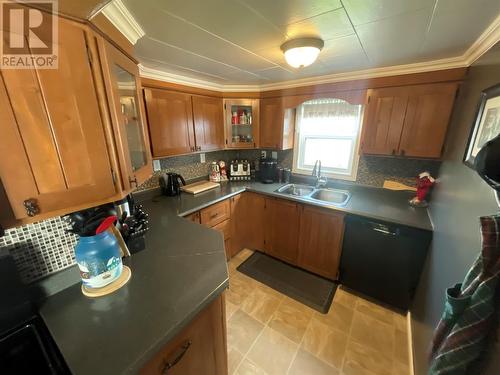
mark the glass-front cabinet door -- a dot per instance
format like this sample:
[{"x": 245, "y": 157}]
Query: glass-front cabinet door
[
  {"x": 242, "y": 123},
  {"x": 128, "y": 120}
]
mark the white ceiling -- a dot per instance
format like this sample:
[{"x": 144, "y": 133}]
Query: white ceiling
[{"x": 238, "y": 41}]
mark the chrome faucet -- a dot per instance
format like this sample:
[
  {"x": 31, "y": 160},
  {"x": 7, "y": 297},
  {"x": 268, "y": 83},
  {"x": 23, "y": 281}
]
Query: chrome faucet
[{"x": 316, "y": 172}]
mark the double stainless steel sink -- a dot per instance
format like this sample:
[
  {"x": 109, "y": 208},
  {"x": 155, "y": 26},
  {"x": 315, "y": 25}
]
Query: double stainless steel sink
[{"x": 335, "y": 197}]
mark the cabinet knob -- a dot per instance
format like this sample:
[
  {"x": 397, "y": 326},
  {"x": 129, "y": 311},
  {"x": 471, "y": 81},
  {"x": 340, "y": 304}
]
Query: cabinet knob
[
  {"x": 31, "y": 206},
  {"x": 394, "y": 151},
  {"x": 402, "y": 152}
]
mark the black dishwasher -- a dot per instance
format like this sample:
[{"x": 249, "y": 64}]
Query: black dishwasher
[{"x": 383, "y": 260}]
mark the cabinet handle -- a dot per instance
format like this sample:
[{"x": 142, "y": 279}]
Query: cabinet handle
[
  {"x": 169, "y": 365},
  {"x": 133, "y": 181},
  {"x": 402, "y": 152},
  {"x": 394, "y": 151},
  {"x": 213, "y": 216},
  {"x": 31, "y": 206},
  {"x": 199, "y": 148}
]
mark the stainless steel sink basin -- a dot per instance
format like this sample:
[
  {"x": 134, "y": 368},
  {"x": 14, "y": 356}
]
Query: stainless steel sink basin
[
  {"x": 296, "y": 190},
  {"x": 307, "y": 193},
  {"x": 339, "y": 197}
]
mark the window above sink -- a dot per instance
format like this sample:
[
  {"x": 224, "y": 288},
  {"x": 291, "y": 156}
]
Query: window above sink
[{"x": 328, "y": 130}]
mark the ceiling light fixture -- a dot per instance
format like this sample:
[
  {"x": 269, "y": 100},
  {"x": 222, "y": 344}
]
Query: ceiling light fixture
[{"x": 302, "y": 51}]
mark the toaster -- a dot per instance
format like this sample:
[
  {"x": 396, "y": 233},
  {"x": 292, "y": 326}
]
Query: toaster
[{"x": 239, "y": 170}]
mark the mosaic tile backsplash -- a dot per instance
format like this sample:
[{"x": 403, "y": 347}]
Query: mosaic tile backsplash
[{"x": 43, "y": 248}]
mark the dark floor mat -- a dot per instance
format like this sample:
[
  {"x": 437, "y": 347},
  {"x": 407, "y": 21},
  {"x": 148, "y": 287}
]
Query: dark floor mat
[{"x": 311, "y": 290}]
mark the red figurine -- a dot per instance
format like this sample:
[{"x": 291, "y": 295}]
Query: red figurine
[{"x": 424, "y": 183}]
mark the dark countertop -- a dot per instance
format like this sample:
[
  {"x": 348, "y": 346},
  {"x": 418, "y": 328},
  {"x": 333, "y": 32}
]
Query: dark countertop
[
  {"x": 370, "y": 202},
  {"x": 182, "y": 270}
]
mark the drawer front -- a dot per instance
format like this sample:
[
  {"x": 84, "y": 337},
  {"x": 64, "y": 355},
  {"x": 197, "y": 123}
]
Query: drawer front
[
  {"x": 224, "y": 228},
  {"x": 215, "y": 214}
]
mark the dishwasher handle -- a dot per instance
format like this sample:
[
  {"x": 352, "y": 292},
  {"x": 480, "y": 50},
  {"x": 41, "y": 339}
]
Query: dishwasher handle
[{"x": 386, "y": 231}]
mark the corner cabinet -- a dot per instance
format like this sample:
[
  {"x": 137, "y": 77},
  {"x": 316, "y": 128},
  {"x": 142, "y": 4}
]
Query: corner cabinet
[
  {"x": 241, "y": 123},
  {"x": 408, "y": 121},
  {"x": 54, "y": 148},
  {"x": 277, "y": 124},
  {"x": 124, "y": 92}
]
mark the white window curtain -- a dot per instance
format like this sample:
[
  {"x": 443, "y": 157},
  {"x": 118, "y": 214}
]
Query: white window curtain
[{"x": 328, "y": 130}]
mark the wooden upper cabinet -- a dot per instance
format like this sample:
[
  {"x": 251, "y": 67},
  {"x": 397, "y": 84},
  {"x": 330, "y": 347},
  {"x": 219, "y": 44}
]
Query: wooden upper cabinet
[
  {"x": 426, "y": 121},
  {"x": 320, "y": 241},
  {"x": 383, "y": 120},
  {"x": 170, "y": 120},
  {"x": 123, "y": 86},
  {"x": 408, "y": 121},
  {"x": 208, "y": 123},
  {"x": 241, "y": 123},
  {"x": 282, "y": 229},
  {"x": 277, "y": 124},
  {"x": 53, "y": 142}
]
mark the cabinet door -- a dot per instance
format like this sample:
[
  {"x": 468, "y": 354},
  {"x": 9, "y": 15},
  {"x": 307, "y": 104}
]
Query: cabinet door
[
  {"x": 242, "y": 123},
  {"x": 53, "y": 143},
  {"x": 252, "y": 220},
  {"x": 426, "y": 120},
  {"x": 281, "y": 233},
  {"x": 194, "y": 217},
  {"x": 383, "y": 120},
  {"x": 124, "y": 91},
  {"x": 271, "y": 123},
  {"x": 208, "y": 123},
  {"x": 170, "y": 120},
  {"x": 200, "y": 347},
  {"x": 320, "y": 241},
  {"x": 237, "y": 227}
]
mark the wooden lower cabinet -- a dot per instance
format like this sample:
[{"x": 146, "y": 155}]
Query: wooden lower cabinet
[
  {"x": 252, "y": 221},
  {"x": 194, "y": 217},
  {"x": 236, "y": 227},
  {"x": 200, "y": 348},
  {"x": 320, "y": 241},
  {"x": 282, "y": 229},
  {"x": 216, "y": 213}
]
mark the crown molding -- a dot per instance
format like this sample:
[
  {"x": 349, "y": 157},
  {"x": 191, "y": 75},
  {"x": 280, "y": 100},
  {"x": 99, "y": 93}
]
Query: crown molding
[
  {"x": 118, "y": 14},
  {"x": 147, "y": 72},
  {"x": 486, "y": 40}
]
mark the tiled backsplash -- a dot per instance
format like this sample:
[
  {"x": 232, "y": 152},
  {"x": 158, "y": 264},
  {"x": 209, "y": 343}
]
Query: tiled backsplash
[
  {"x": 43, "y": 248},
  {"x": 372, "y": 170}
]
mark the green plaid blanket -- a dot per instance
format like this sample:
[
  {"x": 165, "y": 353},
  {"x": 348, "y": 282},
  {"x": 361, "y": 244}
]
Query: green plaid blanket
[{"x": 469, "y": 309}]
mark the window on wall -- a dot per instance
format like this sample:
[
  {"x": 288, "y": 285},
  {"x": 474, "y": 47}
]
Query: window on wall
[{"x": 328, "y": 130}]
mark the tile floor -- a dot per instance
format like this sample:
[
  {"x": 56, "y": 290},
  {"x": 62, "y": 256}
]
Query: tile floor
[{"x": 269, "y": 333}]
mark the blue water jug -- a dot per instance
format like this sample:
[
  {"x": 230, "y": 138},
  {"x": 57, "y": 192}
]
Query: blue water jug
[{"x": 99, "y": 260}]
